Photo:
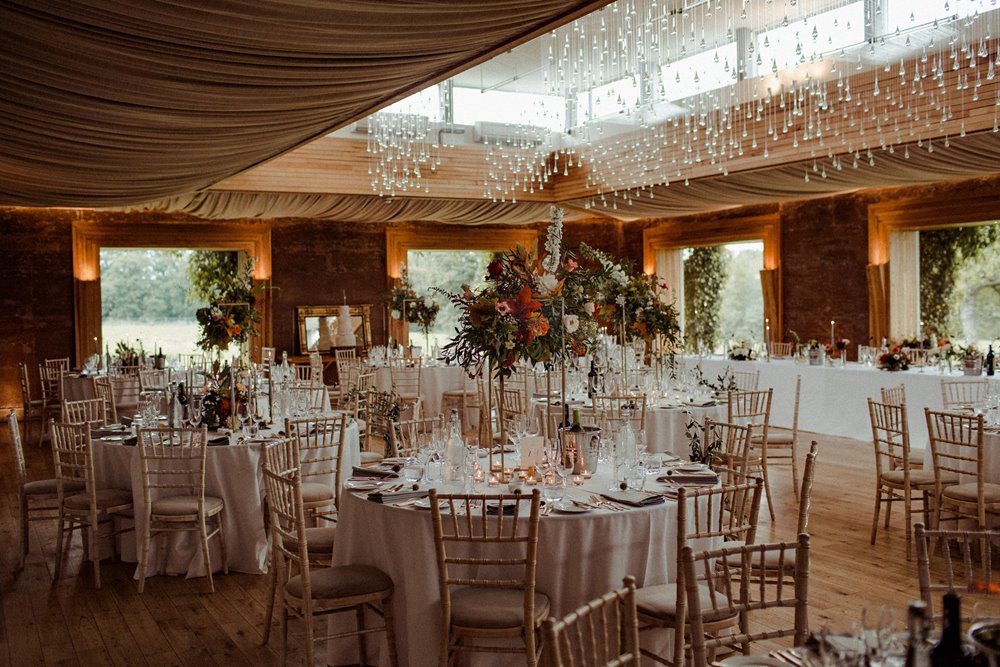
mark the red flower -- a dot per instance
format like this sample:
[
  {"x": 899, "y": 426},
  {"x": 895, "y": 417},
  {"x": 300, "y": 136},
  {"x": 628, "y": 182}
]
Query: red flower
[{"x": 495, "y": 268}]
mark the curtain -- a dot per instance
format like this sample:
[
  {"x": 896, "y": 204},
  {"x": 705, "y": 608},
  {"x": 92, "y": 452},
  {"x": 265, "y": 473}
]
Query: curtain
[
  {"x": 772, "y": 313},
  {"x": 119, "y": 102},
  {"x": 878, "y": 302}
]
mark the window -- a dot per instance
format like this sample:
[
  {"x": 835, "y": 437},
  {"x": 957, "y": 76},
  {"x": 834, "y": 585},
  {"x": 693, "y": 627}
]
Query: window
[
  {"x": 801, "y": 41},
  {"x": 447, "y": 270},
  {"x": 501, "y": 106},
  {"x": 608, "y": 100},
  {"x": 427, "y": 103},
  {"x": 722, "y": 298},
  {"x": 699, "y": 73}
]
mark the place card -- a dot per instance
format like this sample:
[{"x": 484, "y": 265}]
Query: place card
[{"x": 532, "y": 447}]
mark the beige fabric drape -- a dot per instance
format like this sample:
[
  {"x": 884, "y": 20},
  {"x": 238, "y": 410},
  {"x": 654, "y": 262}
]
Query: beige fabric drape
[
  {"x": 119, "y": 102},
  {"x": 966, "y": 157},
  {"x": 769, "y": 289},
  {"x": 353, "y": 208},
  {"x": 878, "y": 303}
]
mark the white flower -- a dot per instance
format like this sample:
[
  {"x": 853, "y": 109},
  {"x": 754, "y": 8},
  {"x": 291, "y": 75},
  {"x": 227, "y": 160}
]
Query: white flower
[
  {"x": 619, "y": 276},
  {"x": 547, "y": 283},
  {"x": 395, "y": 314},
  {"x": 620, "y": 300},
  {"x": 590, "y": 308},
  {"x": 571, "y": 323},
  {"x": 553, "y": 244},
  {"x": 428, "y": 303}
]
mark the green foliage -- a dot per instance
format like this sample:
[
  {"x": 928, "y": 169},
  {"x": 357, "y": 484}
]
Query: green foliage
[
  {"x": 213, "y": 272},
  {"x": 742, "y": 299},
  {"x": 145, "y": 285},
  {"x": 705, "y": 272},
  {"x": 943, "y": 253},
  {"x": 447, "y": 270}
]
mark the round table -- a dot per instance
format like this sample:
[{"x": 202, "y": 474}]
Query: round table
[
  {"x": 435, "y": 380},
  {"x": 232, "y": 473},
  {"x": 580, "y": 557}
]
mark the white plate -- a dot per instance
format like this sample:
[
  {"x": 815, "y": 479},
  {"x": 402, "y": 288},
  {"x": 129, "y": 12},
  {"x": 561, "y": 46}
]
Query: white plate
[
  {"x": 363, "y": 486},
  {"x": 752, "y": 661},
  {"x": 425, "y": 504},
  {"x": 693, "y": 467},
  {"x": 113, "y": 438},
  {"x": 566, "y": 507}
]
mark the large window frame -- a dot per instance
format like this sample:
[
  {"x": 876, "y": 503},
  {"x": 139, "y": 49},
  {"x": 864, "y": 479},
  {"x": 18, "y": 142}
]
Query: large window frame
[
  {"x": 398, "y": 243},
  {"x": 90, "y": 236},
  {"x": 664, "y": 241}
]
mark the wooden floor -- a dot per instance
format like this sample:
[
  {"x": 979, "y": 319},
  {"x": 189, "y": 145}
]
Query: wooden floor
[{"x": 177, "y": 622}]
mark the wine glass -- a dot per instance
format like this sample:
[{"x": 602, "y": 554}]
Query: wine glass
[
  {"x": 195, "y": 409},
  {"x": 565, "y": 462}
]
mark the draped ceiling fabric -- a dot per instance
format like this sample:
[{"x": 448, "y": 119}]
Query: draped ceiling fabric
[
  {"x": 965, "y": 157},
  {"x": 120, "y": 102},
  {"x": 353, "y": 208}
]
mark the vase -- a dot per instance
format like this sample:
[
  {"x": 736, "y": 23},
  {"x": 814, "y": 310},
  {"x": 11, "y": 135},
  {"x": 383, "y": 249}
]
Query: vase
[
  {"x": 815, "y": 356},
  {"x": 584, "y": 447},
  {"x": 843, "y": 358}
]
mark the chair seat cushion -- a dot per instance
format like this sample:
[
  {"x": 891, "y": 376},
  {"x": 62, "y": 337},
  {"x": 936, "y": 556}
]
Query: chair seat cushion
[
  {"x": 314, "y": 493},
  {"x": 968, "y": 492},
  {"x": 185, "y": 505},
  {"x": 319, "y": 541},
  {"x": 480, "y": 607},
  {"x": 371, "y": 458},
  {"x": 917, "y": 478},
  {"x": 105, "y": 498},
  {"x": 782, "y": 439},
  {"x": 661, "y": 602},
  {"x": 344, "y": 581},
  {"x": 44, "y": 487}
]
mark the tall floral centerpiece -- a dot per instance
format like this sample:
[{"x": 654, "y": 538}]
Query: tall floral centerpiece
[
  {"x": 231, "y": 317},
  {"x": 538, "y": 309},
  {"x": 406, "y": 305}
]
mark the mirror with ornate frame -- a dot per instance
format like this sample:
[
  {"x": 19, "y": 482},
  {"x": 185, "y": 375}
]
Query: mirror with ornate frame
[{"x": 313, "y": 319}]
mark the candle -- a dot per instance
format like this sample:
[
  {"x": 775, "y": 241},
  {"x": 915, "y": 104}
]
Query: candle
[
  {"x": 832, "y": 323},
  {"x": 493, "y": 480}
]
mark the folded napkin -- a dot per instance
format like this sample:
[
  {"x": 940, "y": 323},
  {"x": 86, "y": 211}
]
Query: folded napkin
[
  {"x": 221, "y": 440},
  {"x": 131, "y": 442},
  {"x": 358, "y": 471},
  {"x": 707, "y": 478},
  {"x": 633, "y": 498},
  {"x": 384, "y": 498},
  {"x": 508, "y": 508},
  {"x": 105, "y": 432},
  {"x": 701, "y": 404}
]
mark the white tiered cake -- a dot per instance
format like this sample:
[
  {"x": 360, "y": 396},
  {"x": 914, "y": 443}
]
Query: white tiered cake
[{"x": 344, "y": 336}]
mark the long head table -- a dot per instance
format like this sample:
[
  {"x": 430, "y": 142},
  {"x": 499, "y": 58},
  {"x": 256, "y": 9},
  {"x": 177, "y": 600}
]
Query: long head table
[{"x": 834, "y": 399}]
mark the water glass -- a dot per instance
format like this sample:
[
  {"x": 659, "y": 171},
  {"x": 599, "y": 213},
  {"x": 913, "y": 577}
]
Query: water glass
[
  {"x": 653, "y": 464},
  {"x": 435, "y": 470},
  {"x": 553, "y": 488},
  {"x": 635, "y": 476},
  {"x": 412, "y": 471}
]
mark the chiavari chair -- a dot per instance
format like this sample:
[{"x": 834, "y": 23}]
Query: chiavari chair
[
  {"x": 963, "y": 393},
  {"x": 321, "y": 445},
  {"x": 603, "y": 632},
  {"x": 959, "y": 561},
  {"x": 754, "y": 407}
]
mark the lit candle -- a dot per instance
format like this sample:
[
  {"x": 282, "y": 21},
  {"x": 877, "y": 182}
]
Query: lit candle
[
  {"x": 832, "y": 323},
  {"x": 493, "y": 480}
]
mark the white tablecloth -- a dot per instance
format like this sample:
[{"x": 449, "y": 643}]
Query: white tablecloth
[
  {"x": 834, "y": 399},
  {"x": 991, "y": 459},
  {"x": 434, "y": 381},
  {"x": 232, "y": 473},
  {"x": 580, "y": 556}
]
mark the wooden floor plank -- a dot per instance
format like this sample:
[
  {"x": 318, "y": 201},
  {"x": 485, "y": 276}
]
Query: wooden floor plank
[{"x": 178, "y": 622}]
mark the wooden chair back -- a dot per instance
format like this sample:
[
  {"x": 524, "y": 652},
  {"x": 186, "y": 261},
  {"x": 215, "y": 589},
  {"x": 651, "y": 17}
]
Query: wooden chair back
[
  {"x": 407, "y": 436},
  {"x": 962, "y": 562},
  {"x": 305, "y": 374},
  {"x": 51, "y": 383},
  {"x": 61, "y": 364},
  {"x": 727, "y": 512},
  {"x": 406, "y": 375},
  {"x": 321, "y": 445},
  {"x": 750, "y": 407},
  {"x": 121, "y": 370},
  {"x": 20, "y": 469},
  {"x": 311, "y": 398},
  {"x": 895, "y": 395},
  {"x": 104, "y": 390},
  {"x": 732, "y": 442},
  {"x": 604, "y": 632},
  {"x": 956, "y": 448},
  {"x": 963, "y": 393},
  {"x": 72, "y": 458},
  {"x": 22, "y": 374},
  {"x": 173, "y": 463},
  {"x": 781, "y": 350},
  {"x": 746, "y": 380},
  {"x": 891, "y": 437},
  {"x": 283, "y": 489},
  {"x": 623, "y": 407},
  {"x": 90, "y": 411},
  {"x": 805, "y": 491},
  {"x": 736, "y": 591},
  {"x": 156, "y": 378},
  {"x": 491, "y": 549}
]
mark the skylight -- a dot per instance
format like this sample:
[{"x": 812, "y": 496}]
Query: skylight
[
  {"x": 514, "y": 108},
  {"x": 800, "y": 42},
  {"x": 699, "y": 73}
]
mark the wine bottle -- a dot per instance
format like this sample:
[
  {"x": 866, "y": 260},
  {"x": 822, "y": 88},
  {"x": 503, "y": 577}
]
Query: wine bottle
[
  {"x": 990, "y": 362},
  {"x": 576, "y": 427},
  {"x": 917, "y": 648},
  {"x": 947, "y": 652},
  {"x": 592, "y": 381}
]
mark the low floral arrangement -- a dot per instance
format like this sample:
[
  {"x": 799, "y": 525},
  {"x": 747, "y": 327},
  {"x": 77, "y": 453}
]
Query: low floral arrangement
[
  {"x": 126, "y": 354},
  {"x": 812, "y": 344},
  {"x": 742, "y": 352},
  {"x": 842, "y": 344},
  {"x": 894, "y": 360},
  {"x": 231, "y": 317},
  {"x": 217, "y": 408},
  {"x": 404, "y": 303},
  {"x": 945, "y": 350}
]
